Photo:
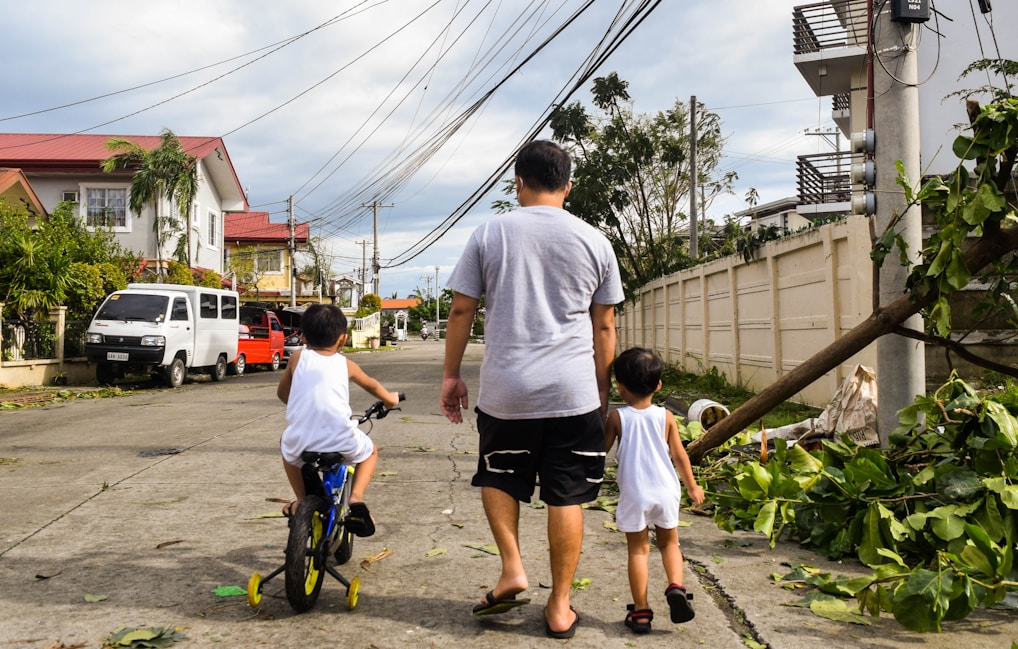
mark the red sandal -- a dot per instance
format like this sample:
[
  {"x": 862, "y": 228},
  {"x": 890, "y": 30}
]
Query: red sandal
[{"x": 639, "y": 621}]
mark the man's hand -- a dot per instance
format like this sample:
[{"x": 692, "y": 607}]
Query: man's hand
[{"x": 454, "y": 399}]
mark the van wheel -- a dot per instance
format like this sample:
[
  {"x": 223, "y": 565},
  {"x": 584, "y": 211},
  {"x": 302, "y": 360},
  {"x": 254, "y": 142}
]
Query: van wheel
[
  {"x": 238, "y": 366},
  {"x": 175, "y": 373},
  {"x": 275, "y": 362},
  {"x": 104, "y": 373},
  {"x": 219, "y": 371}
]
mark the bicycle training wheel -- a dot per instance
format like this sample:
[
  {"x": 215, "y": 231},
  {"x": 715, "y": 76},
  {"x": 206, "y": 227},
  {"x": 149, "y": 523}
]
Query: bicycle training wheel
[
  {"x": 352, "y": 591},
  {"x": 305, "y": 553},
  {"x": 254, "y": 590}
]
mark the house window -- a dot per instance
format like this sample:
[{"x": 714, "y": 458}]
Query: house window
[
  {"x": 269, "y": 261},
  {"x": 213, "y": 229},
  {"x": 69, "y": 196},
  {"x": 106, "y": 207}
]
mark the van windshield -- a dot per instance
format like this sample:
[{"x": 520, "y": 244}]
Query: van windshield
[{"x": 134, "y": 307}]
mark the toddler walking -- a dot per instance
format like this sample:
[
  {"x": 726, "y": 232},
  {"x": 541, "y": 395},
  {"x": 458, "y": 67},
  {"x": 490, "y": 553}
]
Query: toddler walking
[{"x": 649, "y": 491}]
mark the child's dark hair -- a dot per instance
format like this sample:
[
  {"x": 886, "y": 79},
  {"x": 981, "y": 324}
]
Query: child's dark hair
[
  {"x": 639, "y": 370},
  {"x": 322, "y": 325}
]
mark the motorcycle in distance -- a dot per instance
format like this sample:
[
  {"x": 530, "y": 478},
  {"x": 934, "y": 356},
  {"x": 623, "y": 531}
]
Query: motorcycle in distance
[{"x": 424, "y": 333}]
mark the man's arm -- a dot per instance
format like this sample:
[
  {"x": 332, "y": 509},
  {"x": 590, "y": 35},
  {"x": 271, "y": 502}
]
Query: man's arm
[
  {"x": 603, "y": 318},
  {"x": 457, "y": 333}
]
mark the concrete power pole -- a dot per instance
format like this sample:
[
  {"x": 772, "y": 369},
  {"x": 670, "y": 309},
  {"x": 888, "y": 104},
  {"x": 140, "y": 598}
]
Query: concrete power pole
[
  {"x": 293, "y": 256},
  {"x": 375, "y": 266},
  {"x": 901, "y": 362}
]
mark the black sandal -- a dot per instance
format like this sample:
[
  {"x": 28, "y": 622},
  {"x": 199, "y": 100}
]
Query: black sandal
[
  {"x": 639, "y": 620},
  {"x": 680, "y": 603}
]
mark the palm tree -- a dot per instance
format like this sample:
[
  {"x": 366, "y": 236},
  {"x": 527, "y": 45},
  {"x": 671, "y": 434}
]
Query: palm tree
[{"x": 165, "y": 171}]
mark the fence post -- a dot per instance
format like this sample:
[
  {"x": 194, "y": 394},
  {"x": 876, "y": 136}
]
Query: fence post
[{"x": 58, "y": 315}]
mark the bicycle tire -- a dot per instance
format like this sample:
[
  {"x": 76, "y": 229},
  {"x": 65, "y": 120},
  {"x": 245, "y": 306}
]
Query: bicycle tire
[{"x": 305, "y": 556}]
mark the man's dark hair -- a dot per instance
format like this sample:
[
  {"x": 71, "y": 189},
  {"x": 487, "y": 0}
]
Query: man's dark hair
[
  {"x": 322, "y": 325},
  {"x": 542, "y": 164},
  {"x": 639, "y": 370}
]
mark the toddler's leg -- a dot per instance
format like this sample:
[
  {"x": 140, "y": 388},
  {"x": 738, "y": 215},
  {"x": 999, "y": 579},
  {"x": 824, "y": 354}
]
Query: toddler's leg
[
  {"x": 679, "y": 604},
  {"x": 671, "y": 554},
  {"x": 638, "y": 546},
  {"x": 362, "y": 476}
]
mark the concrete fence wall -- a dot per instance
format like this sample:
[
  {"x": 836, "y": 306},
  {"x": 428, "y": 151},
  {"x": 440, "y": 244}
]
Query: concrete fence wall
[{"x": 756, "y": 321}]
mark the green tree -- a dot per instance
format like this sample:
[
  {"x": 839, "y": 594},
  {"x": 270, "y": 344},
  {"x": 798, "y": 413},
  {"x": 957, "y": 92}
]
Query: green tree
[
  {"x": 370, "y": 303},
  {"x": 57, "y": 262},
  {"x": 632, "y": 177},
  {"x": 166, "y": 171}
]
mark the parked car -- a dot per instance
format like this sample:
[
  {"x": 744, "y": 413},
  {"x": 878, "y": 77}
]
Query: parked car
[
  {"x": 260, "y": 340},
  {"x": 292, "y": 341}
]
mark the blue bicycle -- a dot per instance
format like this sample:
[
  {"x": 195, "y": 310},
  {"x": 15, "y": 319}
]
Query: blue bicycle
[{"x": 319, "y": 529}]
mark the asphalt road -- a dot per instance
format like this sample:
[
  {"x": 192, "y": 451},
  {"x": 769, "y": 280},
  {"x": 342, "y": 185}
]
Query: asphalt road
[{"x": 132, "y": 511}]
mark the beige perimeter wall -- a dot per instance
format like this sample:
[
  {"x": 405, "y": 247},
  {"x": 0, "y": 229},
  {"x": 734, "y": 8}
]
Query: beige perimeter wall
[{"x": 756, "y": 321}]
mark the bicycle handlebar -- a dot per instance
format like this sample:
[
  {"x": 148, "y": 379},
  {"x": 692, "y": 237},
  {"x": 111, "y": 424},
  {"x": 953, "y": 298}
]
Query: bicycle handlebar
[{"x": 378, "y": 409}]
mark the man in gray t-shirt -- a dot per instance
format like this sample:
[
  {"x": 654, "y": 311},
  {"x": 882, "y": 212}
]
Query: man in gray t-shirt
[{"x": 550, "y": 283}]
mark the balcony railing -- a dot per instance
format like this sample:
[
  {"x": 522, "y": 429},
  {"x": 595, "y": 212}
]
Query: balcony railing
[
  {"x": 824, "y": 178},
  {"x": 841, "y": 102},
  {"x": 826, "y": 25}
]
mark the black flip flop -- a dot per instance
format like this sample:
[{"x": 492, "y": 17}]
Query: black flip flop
[
  {"x": 567, "y": 633},
  {"x": 492, "y": 606}
]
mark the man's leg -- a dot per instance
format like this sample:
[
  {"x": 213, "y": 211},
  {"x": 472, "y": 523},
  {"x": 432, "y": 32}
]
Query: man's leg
[
  {"x": 503, "y": 512},
  {"x": 565, "y": 539}
]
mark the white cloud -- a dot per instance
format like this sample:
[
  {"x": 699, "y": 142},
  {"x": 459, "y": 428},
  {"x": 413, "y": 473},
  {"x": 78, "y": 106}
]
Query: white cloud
[{"x": 728, "y": 53}]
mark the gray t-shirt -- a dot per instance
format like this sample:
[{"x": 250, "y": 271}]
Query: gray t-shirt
[{"x": 540, "y": 270}]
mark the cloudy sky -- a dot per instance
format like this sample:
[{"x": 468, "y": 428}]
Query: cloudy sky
[{"x": 411, "y": 103}]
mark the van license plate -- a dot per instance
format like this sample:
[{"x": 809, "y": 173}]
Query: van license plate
[{"x": 117, "y": 356}]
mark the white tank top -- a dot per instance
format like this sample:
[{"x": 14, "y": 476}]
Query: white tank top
[
  {"x": 318, "y": 409},
  {"x": 649, "y": 489}
]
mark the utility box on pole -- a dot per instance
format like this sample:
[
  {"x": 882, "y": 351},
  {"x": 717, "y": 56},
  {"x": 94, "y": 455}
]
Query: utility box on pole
[{"x": 910, "y": 11}]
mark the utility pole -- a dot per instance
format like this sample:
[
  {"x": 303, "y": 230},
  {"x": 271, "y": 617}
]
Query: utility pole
[
  {"x": 438, "y": 297},
  {"x": 293, "y": 257},
  {"x": 901, "y": 361},
  {"x": 694, "y": 235},
  {"x": 364, "y": 269},
  {"x": 375, "y": 266}
]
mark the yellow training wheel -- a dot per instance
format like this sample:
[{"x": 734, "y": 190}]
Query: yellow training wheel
[
  {"x": 254, "y": 590},
  {"x": 351, "y": 593}
]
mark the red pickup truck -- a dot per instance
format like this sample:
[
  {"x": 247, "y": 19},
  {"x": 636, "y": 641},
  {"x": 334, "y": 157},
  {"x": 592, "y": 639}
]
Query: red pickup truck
[{"x": 260, "y": 340}]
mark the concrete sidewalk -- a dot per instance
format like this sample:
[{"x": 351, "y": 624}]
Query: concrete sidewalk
[{"x": 152, "y": 501}]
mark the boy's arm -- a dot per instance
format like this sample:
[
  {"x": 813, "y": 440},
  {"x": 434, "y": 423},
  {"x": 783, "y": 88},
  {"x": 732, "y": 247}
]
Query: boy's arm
[
  {"x": 612, "y": 428},
  {"x": 285, "y": 381},
  {"x": 681, "y": 459},
  {"x": 371, "y": 385}
]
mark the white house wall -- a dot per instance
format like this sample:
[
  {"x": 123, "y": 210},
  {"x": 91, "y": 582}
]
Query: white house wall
[{"x": 140, "y": 239}]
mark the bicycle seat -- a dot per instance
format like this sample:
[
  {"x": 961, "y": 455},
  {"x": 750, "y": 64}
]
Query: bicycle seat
[{"x": 322, "y": 459}]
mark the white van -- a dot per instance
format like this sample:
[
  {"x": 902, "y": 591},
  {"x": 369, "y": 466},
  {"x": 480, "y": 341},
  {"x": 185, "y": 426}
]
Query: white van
[{"x": 165, "y": 330}]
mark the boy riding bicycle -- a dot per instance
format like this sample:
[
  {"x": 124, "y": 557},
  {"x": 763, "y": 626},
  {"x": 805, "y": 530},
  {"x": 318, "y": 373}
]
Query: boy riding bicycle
[{"x": 316, "y": 390}]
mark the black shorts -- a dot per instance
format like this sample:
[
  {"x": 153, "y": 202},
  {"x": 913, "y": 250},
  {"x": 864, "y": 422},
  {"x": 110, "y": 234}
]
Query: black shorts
[{"x": 565, "y": 453}]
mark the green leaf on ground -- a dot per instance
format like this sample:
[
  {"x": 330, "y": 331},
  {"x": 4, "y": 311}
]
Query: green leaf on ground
[
  {"x": 229, "y": 591},
  {"x": 89, "y": 597},
  {"x": 837, "y": 610},
  {"x": 434, "y": 552}
]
